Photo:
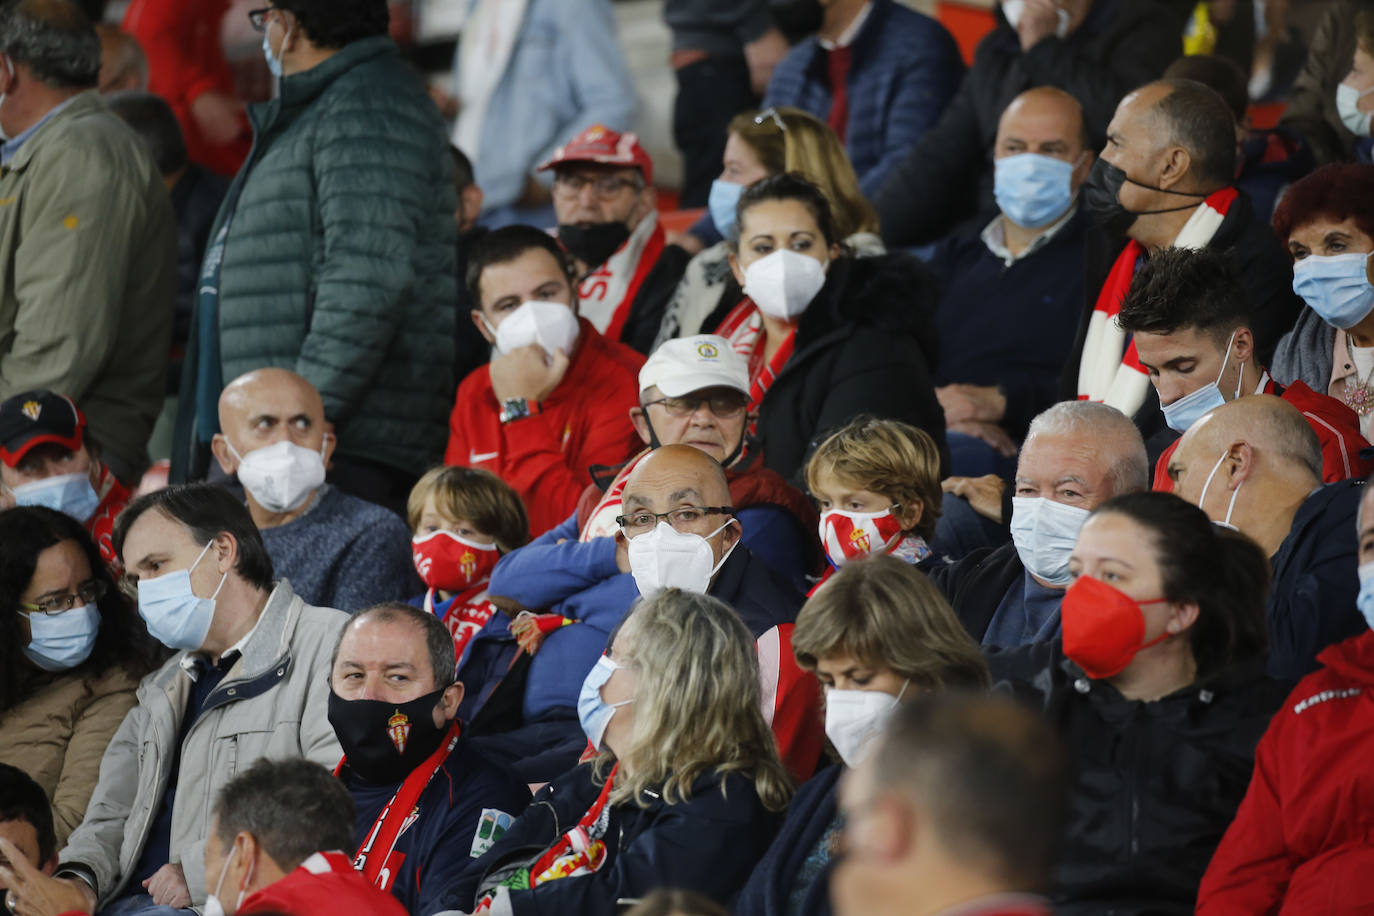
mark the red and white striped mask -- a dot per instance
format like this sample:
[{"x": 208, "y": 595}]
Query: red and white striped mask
[{"x": 849, "y": 535}]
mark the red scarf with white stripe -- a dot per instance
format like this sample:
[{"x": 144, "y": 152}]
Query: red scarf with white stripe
[
  {"x": 743, "y": 327},
  {"x": 606, "y": 295},
  {"x": 1109, "y": 370}
]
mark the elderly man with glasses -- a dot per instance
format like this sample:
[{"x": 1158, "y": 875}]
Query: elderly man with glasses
[
  {"x": 606, "y": 206},
  {"x": 676, "y": 527}
]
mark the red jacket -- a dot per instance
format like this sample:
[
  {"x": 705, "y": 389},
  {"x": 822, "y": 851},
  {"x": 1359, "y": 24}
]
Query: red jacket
[
  {"x": 1303, "y": 838},
  {"x": 325, "y": 884},
  {"x": 181, "y": 39},
  {"x": 1337, "y": 426},
  {"x": 545, "y": 457}
]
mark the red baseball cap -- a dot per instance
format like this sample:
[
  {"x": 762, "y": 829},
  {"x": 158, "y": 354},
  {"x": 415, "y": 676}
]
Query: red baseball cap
[{"x": 600, "y": 144}]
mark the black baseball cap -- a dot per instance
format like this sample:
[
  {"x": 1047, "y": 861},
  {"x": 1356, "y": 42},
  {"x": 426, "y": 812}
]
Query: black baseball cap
[{"x": 35, "y": 418}]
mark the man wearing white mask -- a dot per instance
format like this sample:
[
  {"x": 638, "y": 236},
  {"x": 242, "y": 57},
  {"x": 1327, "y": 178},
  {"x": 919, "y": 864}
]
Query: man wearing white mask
[
  {"x": 336, "y": 550},
  {"x": 1077, "y": 455},
  {"x": 552, "y": 402},
  {"x": 248, "y": 680},
  {"x": 1255, "y": 464}
]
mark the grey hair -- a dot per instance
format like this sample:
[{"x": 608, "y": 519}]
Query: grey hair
[
  {"x": 54, "y": 39},
  {"x": 1113, "y": 430},
  {"x": 1295, "y": 440},
  {"x": 438, "y": 640},
  {"x": 293, "y": 808}
]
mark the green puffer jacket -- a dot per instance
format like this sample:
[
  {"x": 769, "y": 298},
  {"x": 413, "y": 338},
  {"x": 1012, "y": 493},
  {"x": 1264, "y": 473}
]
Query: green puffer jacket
[{"x": 339, "y": 260}]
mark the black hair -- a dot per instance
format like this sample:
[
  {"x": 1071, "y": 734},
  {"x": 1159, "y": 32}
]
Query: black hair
[
  {"x": 1224, "y": 572},
  {"x": 22, "y": 799},
  {"x": 1200, "y": 121},
  {"x": 25, "y": 532},
  {"x": 293, "y": 808},
  {"x": 501, "y": 246},
  {"x": 438, "y": 639},
  {"x": 54, "y": 39},
  {"x": 1220, "y": 73},
  {"x": 463, "y": 175},
  {"x": 152, "y": 119},
  {"x": 335, "y": 23},
  {"x": 1179, "y": 288},
  {"x": 207, "y": 510},
  {"x": 788, "y": 186},
  {"x": 990, "y": 775}
]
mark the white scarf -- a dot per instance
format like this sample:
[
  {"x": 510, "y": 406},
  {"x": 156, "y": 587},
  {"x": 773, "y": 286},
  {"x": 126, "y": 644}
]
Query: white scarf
[{"x": 605, "y": 288}]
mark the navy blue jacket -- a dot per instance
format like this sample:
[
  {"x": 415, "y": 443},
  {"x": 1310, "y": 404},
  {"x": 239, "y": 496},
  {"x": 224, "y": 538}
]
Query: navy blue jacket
[
  {"x": 457, "y": 812},
  {"x": 809, "y": 817},
  {"x": 904, "y": 69},
  {"x": 1010, "y": 326},
  {"x": 708, "y": 843},
  {"x": 1312, "y": 603}
]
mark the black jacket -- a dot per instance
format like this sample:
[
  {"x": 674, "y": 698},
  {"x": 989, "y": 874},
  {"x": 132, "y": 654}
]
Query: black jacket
[
  {"x": 866, "y": 345},
  {"x": 947, "y": 178},
  {"x": 813, "y": 811},
  {"x": 1156, "y": 783},
  {"x": 708, "y": 843},
  {"x": 1312, "y": 602},
  {"x": 1262, "y": 266},
  {"x": 977, "y": 583},
  {"x": 646, "y": 314}
]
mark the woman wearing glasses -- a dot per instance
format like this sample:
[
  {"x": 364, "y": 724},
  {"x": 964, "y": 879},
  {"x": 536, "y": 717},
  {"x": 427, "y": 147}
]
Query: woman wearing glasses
[{"x": 72, "y": 651}]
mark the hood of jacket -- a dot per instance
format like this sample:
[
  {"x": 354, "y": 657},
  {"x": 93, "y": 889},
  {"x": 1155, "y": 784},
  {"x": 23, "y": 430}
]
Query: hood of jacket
[
  {"x": 892, "y": 292},
  {"x": 1352, "y": 659}
]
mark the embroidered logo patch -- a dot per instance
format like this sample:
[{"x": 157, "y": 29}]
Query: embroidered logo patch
[
  {"x": 492, "y": 826},
  {"x": 71, "y": 222},
  {"x": 859, "y": 538},
  {"x": 31, "y": 409},
  {"x": 398, "y": 730},
  {"x": 467, "y": 564},
  {"x": 707, "y": 350}
]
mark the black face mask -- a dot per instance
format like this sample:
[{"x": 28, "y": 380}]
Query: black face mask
[
  {"x": 385, "y": 741},
  {"x": 1102, "y": 198},
  {"x": 593, "y": 244}
]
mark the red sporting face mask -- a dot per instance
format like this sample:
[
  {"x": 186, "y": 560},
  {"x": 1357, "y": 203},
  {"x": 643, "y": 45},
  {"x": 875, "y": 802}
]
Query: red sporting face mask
[
  {"x": 849, "y": 535},
  {"x": 1103, "y": 627},
  {"x": 450, "y": 563}
]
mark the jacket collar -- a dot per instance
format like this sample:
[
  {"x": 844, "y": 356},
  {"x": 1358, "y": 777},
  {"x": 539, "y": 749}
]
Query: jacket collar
[
  {"x": 864, "y": 45},
  {"x": 1203, "y": 692},
  {"x": 265, "y": 646},
  {"x": 83, "y": 103},
  {"x": 300, "y": 89}
]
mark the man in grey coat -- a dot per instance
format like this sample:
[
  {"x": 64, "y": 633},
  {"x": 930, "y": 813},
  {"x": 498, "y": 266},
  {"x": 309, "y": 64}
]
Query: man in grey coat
[{"x": 250, "y": 681}]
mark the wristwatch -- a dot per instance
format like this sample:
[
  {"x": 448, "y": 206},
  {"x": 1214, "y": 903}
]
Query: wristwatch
[{"x": 513, "y": 409}]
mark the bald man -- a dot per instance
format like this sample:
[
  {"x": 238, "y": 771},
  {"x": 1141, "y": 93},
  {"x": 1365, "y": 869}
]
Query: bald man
[
  {"x": 1014, "y": 287},
  {"x": 336, "y": 550},
  {"x": 1255, "y": 464},
  {"x": 677, "y": 528}
]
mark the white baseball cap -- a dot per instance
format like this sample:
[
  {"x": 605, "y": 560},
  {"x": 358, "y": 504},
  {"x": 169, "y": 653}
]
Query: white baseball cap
[{"x": 686, "y": 364}]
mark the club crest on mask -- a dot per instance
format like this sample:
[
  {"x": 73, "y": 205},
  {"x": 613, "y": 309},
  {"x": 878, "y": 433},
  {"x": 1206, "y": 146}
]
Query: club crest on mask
[
  {"x": 398, "y": 729},
  {"x": 468, "y": 564},
  {"x": 860, "y": 541}
]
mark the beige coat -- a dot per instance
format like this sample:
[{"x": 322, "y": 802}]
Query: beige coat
[{"x": 59, "y": 734}]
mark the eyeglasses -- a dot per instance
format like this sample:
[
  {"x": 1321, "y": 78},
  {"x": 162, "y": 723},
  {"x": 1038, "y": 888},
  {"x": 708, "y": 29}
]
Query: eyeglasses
[
  {"x": 640, "y": 522},
  {"x": 86, "y": 593},
  {"x": 771, "y": 114},
  {"x": 724, "y": 406},
  {"x": 258, "y": 18},
  {"x": 569, "y": 186}
]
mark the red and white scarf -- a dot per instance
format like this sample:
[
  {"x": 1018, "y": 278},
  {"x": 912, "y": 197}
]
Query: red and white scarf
[
  {"x": 601, "y": 522},
  {"x": 606, "y": 294},
  {"x": 1109, "y": 370},
  {"x": 743, "y": 327},
  {"x": 466, "y": 615}
]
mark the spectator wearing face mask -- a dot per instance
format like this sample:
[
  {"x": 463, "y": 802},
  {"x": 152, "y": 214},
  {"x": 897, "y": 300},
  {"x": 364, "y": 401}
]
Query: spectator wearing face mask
[
  {"x": 462, "y": 521},
  {"x": 1327, "y": 89},
  {"x": 73, "y": 654},
  {"x": 1298, "y": 843},
  {"x": 552, "y": 401},
  {"x": 1187, "y": 317},
  {"x": 47, "y": 458},
  {"x": 336, "y": 550},
  {"x": 604, "y": 199},
  {"x": 876, "y": 634},
  {"x": 996, "y": 369},
  {"x": 1325, "y": 219},
  {"x": 1157, "y": 689},
  {"x": 877, "y": 485},
  {"x": 1255, "y": 464},
  {"x": 679, "y": 793},
  {"x": 1077, "y": 455},
  {"x": 827, "y": 336}
]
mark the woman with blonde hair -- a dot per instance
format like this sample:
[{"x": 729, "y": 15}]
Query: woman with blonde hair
[
  {"x": 877, "y": 633},
  {"x": 686, "y": 790},
  {"x": 761, "y": 144}
]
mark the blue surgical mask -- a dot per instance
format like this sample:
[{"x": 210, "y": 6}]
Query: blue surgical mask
[
  {"x": 175, "y": 615},
  {"x": 273, "y": 60},
  {"x": 1336, "y": 287},
  {"x": 1365, "y": 600},
  {"x": 71, "y": 494},
  {"x": 594, "y": 713},
  {"x": 1187, "y": 410},
  {"x": 62, "y": 641},
  {"x": 722, "y": 202},
  {"x": 1033, "y": 190},
  {"x": 1044, "y": 532}
]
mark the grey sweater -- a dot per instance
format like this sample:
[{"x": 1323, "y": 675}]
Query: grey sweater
[
  {"x": 1305, "y": 353},
  {"x": 344, "y": 553}
]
